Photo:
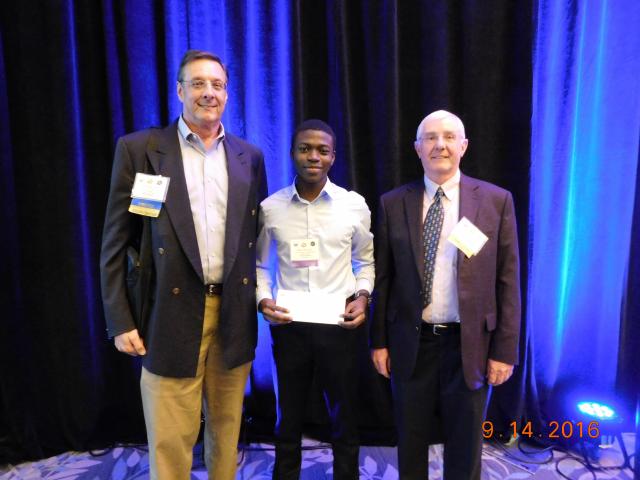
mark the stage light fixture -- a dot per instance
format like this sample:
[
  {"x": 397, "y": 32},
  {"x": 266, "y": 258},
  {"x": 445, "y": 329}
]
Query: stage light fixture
[
  {"x": 598, "y": 411},
  {"x": 605, "y": 424}
]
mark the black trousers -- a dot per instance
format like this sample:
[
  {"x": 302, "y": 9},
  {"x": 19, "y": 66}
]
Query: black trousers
[
  {"x": 436, "y": 406},
  {"x": 300, "y": 351}
]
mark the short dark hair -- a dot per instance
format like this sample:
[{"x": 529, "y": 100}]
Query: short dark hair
[
  {"x": 313, "y": 124},
  {"x": 193, "y": 55}
]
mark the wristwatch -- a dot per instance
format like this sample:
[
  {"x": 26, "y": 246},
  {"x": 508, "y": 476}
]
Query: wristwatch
[{"x": 363, "y": 293}]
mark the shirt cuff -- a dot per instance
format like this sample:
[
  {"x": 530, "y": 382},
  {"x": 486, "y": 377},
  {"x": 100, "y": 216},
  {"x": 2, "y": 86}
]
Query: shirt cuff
[
  {"x": 261, "y": 295},
  {"x": 363, "y": 284}
]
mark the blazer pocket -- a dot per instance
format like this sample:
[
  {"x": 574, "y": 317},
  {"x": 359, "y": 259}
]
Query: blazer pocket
[{"x": 490, "y": 322}]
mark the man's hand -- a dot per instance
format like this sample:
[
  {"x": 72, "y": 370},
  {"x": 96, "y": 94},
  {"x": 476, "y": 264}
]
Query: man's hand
[
  {"x": 354, "y": 313},
  {"x": 273, "y": 313},
  {"x": 382, "y": 361},
  {"x": 130, "y": 343},
  {"x": 498, "y": 372}
]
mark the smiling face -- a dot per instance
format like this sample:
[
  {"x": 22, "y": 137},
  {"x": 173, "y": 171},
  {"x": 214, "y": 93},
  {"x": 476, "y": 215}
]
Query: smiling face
[
  {"x": 313, "y": 155},
  {"x": 203, "y": 105},
  {"x": 440, "y": 144}
]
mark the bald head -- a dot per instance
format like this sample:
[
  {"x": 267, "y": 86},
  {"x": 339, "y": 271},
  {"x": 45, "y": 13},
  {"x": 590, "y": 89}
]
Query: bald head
[{"x": 441, "y": 115}]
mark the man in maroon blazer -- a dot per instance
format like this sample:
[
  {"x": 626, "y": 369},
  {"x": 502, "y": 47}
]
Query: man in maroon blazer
[
  {"x": 201, "y": 332},
  {"x": 446, "y": 325}
]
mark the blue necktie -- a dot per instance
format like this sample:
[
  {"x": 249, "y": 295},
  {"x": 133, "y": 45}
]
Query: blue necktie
[{"x": 430, "y": 238}]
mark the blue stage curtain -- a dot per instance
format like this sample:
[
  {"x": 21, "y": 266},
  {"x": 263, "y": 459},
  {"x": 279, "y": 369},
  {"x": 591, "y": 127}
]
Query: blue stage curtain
[
  {"x": 74, "y": 76},
  {"x": 584, "y": 156}
]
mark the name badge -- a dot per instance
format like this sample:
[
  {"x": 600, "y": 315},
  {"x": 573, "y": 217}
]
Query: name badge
[
  {"x": 305, "y": 252},
  {"x": 467, "y": 237},
  {"x": 148, "y": 194}
]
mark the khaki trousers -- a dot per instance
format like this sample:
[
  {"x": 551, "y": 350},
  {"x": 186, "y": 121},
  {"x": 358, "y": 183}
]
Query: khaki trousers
[{"x": 172, "y": 408}]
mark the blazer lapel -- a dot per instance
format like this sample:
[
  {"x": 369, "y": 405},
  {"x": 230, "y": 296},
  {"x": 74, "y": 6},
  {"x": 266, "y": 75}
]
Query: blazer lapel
[
  {"x": 413, "y": 201},
  {"x": 166, "y": 160},
  {"x": 239, "y": 170},
  {"x": 469, "y": 204}
]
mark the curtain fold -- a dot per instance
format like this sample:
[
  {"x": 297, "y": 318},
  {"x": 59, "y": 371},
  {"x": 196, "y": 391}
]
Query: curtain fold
[
  {"x": 628, "y": 370},
  {"x": 585, "y": 124}
]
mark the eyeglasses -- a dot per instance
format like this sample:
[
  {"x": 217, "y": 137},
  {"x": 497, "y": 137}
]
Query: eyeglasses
[{"x": 199, "y": 85}]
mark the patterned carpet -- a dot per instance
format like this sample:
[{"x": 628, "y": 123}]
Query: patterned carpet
[{"x": 499, "y": 462}]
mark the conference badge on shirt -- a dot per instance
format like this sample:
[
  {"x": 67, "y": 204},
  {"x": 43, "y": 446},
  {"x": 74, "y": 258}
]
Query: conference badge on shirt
[
  {"x": 148, "y": 194},
  {"x": 304, "y": 252}
]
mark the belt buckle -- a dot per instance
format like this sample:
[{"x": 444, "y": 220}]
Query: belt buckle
[{"x": 434, "y": 329}]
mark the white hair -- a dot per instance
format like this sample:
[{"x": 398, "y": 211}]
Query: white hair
[{"x": 439, "y": 115}]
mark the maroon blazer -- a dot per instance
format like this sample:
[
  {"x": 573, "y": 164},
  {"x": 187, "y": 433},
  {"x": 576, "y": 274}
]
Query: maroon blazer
[
  {"x": 488, "y": 283},
  {"x": 176, "y": 317}
]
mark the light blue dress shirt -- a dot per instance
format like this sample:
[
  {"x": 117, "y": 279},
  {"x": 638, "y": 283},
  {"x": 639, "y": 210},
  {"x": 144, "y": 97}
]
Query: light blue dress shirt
[{"x": 341, "y": 222}]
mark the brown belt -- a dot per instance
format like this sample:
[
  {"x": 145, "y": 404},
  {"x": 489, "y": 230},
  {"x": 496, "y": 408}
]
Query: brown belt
[{"x": 211, "y": 289}]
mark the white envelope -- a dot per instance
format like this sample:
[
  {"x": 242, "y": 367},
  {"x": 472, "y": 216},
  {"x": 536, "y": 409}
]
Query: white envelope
[{"x": 313, "y": 307}]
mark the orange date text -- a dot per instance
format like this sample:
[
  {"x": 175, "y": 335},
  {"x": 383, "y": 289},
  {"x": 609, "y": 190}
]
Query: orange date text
[{"x": 554, "y": 430}]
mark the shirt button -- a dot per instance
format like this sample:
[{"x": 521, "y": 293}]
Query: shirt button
[
  {"x": 245, "y": 281},
  {"x": 175, "y": 291},
  {"x": 161, "y": 251},
  {"x": 250, "y": 244}
]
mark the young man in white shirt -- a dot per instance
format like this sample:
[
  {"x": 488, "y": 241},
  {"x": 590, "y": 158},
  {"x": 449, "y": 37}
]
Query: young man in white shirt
[{"x": 336, "y": 223}]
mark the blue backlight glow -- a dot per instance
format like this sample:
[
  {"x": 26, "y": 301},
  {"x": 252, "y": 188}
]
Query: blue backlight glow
[{"x": 584, "y": 155}]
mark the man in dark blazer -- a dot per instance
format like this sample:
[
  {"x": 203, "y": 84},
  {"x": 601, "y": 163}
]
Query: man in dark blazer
[
  {"x": 446, "y": 325},
  {"x": 201, "y": 329}
]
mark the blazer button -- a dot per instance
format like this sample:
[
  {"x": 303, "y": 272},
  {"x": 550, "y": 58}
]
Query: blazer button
[
  {"x": 417, "y": 329},
  {"x": 250, "y": 244},
  {"x": 161, "y": 251},
  {"x": 175, "y": 291},
  {"x": 245, "y": 281},
  {"x": 253, "y": 212}
]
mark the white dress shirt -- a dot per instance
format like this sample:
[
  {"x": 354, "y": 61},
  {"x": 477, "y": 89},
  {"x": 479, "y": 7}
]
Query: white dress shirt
[
  {"x": 341, "y": 222},
  {"x": 207, "y": 182},
  {"x": 444, "y": 298}
]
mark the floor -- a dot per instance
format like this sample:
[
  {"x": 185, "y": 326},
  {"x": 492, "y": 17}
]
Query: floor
[{"x": 504, "y": 462}]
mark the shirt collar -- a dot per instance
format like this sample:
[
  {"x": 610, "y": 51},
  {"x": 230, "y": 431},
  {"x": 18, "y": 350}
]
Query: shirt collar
[
  {"x": 193, "y": 138},
  {"x": 448, "y": 187},
  {"x": 329, "y": 190}
]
